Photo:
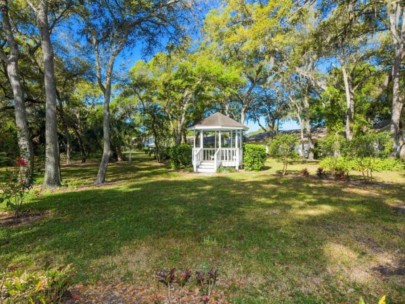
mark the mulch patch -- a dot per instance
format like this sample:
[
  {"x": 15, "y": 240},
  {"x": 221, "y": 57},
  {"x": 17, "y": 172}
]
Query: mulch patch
[
  {"x": 126, "y": 293},
  {"x": 7, "y": 219}
]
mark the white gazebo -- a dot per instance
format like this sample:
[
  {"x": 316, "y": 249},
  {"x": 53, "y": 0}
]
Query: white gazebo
[{"x": 217, "y": 142}]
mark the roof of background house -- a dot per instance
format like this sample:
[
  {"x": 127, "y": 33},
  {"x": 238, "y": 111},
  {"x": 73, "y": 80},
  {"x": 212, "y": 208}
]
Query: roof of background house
[
  {"x": 317, "y": 133},
  {"x": 218, "y": 121}
]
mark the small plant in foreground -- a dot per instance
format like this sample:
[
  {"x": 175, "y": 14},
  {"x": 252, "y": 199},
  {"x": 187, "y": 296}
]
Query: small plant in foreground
[
  {"x": 321, "y": 173},
  {"x": 36, "y": 287},
  {"x": 168, "y": 278},
  {"x": 304, "y": 172},
  {"x": 206, "y": 280},
  {"x": 383, "y": 300},
  {"x": 17, "y": 185}
]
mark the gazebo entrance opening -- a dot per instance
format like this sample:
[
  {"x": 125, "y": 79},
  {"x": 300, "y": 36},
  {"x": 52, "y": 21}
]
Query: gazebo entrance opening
[{"x": 217, "y": 142}]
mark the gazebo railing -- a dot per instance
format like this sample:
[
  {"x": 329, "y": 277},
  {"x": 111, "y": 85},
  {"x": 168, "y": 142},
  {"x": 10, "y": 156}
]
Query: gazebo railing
[
  {"x": 229, "y": 155},
  {"x": 198, "y": 157},
  {"x": 209, "y": 154},
  {"x": 217, "y": 159}
]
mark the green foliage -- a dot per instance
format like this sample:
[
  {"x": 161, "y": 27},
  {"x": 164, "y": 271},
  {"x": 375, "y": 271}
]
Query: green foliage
[
  {"x": 5, "y": 161},
  {"x": 368, "y": 165},
  {"x": 383, "y": 300},
  {"x": 331, "y": 145},
  {"x": 370, "y": 145},
  {"x": 337, "y": 165},
  {"x": 180, "y": 156},
  {"x": 254, "y": 157},
  {"x": 226, "y": 170},
  {"x": 18, "y": 182},
  {"x": 282, "y": 147},
  {"x": 37, "y": 287}
]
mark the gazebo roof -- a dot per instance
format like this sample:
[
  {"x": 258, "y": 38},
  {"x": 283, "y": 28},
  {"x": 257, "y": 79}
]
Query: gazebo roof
[{"x": 218, "y": 121}]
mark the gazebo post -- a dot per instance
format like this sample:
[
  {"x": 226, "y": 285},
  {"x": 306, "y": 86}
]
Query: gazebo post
[
  {"x": 237, "y": 150},
  {"x": 202, "y": 139},
  {"x": 241, "y": 147}
]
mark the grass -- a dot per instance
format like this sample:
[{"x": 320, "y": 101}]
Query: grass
[{"x": 274, "y": 239}]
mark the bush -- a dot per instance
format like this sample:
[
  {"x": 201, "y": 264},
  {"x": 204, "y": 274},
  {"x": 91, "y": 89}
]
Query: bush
[
  {"x": 180, "y": 156},
  {"x": 368, "y": 165},
  {"x": 282, "y": 147},
  {"x": 370, "y": 145},
  {"x": 254, "y": 157},
  {"x": 338, "y": 166},
  {"x": 36, "y": 287},
  {"x": 305, "y": 172},
  {"x": 332, "y": 145},
  {"x": 5, "y": 161},
  {"x": 18, "y": 183}
]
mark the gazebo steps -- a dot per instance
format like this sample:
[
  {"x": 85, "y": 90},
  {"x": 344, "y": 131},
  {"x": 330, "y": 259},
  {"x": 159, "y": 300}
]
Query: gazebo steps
[{"x": 206, "y": 167}]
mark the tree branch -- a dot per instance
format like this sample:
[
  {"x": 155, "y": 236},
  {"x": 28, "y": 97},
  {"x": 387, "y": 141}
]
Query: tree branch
[
  {"x": 3, "y": 57},
  {"x": 32, "y": 7}
]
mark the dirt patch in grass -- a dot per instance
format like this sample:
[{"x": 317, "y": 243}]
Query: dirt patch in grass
[
  {"x": 389, "y": 270},
  {"x": 399, "y": 209},
  {"x": 7, "y": 219},
  {"x": 127, "y": 293}
]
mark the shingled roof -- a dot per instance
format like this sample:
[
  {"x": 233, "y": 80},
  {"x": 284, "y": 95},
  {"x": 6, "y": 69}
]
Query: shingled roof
[{"x": 218, "y": 121}]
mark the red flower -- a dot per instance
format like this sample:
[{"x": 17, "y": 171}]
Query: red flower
[{"x": 21, "y": 162}]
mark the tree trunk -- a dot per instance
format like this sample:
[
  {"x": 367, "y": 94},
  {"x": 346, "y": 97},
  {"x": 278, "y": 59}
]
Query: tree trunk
[
  {"x": 52, "y": 172},
  {"x": 180, "y": 126},
  {"x": 23, "y": 133},
  {"x": 102, "y": 170},
  {"x": 118, "y": 151},
  {"x": 349, "y": 103},
  {"x": 106, "y": 89},
  {"x": 396, "y": 13},
  {"x": 243, "y": 114},
  {"x": 307, "y": 126},
  {"x": 65, "y": 131},
  {"x": 397, "y": 105},
  {"x": 68, "y": 148},
  {"x": 302, "y": 136},
  {"x": 81, "y": 145}
]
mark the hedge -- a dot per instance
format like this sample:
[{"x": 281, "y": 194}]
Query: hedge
[{"x": 254, "y": 157}]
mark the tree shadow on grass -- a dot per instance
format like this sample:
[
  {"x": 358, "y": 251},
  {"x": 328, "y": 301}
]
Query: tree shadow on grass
[{"x": 268, "y": 229}]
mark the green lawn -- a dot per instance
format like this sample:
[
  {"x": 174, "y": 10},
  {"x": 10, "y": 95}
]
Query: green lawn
[{"x": 274, "y": 239}]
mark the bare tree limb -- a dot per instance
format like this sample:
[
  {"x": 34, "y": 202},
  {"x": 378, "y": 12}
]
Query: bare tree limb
[{"x": 3, "y": 57}]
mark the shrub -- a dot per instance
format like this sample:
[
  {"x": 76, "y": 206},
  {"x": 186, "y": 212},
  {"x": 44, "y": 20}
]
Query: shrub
[
  {"x": 368, "y": 165},
  {"x": 332, "y": 145},
  {"x": 254, "y": 157},
  {"x": 18, "y": 182},
  {"x": 320, "y": 172},
  {"x": 304, "y": 172},
  {"x": 282, "y": 147},
  {"x": 338, "y": 166},
  {"x": 370, "y": 145},
  {"x": 5, "y": 161},
  {"x": 180, "y": 156},
  {"x": 36, "y": 287}
]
